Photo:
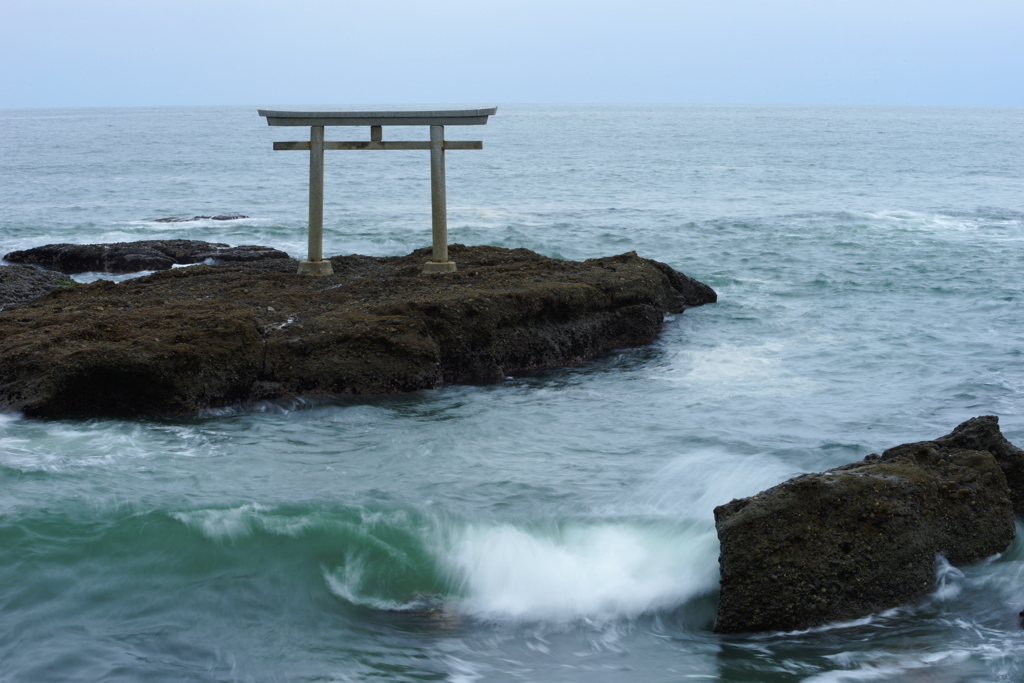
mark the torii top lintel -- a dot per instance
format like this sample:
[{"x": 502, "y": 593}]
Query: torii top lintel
[{"x": 402, "y": 117}]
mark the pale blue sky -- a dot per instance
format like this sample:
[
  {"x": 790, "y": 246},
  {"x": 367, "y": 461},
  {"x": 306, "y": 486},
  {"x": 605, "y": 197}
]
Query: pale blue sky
[{"x": 57, "y": 53}]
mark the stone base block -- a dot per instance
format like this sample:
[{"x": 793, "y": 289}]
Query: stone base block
[
  {"x": 315, "y": 268},
  {"x": 436, "y": 267}
]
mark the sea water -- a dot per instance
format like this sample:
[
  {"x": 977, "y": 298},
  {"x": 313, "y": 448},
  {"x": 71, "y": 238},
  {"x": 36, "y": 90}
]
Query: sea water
[{"x": 552, "y": 526}]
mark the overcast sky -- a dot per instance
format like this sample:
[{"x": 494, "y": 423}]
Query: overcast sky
[{"x": 57, "y": 53}]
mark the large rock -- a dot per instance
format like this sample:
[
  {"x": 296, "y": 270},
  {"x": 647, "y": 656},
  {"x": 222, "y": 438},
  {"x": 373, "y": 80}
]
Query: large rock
[
  {"x": 863, "y": 537},
  {"x": 190, "y": 338},
  {"x": 982, "y": 434},
  {"x": 132, "y": 257},
  {"x": 19, "y": 284}
]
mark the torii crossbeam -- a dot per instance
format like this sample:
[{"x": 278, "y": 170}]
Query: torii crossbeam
[{"x": 437, "y": 120}]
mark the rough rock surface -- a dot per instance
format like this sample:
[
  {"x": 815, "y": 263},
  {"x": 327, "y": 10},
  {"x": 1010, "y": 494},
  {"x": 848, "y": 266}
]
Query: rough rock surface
[
  {"x": 224, "y": 217},
  {"x": 863, "y": 537},
  {"x": 190, "y": 338},
  {"x": 24, "y": 283},
  {"x": 131, "y": 257},
  {"x": 982, "y": 434}
]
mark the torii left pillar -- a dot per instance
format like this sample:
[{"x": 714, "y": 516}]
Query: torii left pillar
[{"x": 315, "y": 263}]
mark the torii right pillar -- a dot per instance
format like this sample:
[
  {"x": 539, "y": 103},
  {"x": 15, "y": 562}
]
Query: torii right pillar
[{"x": 439, "y": 262}]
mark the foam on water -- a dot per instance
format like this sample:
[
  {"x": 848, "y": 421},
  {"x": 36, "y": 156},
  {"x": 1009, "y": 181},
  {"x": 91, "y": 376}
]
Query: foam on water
[
  {"x": 934, "y": 667},
  {"x": 71, "y": 445},
  {"x": 348, "y": 582},
  {"x": 692, "y": 484},
  {"x": 730, "y": 369},
  {"x": 93, "y": 276},
  {"x": 946, "y": 226},
  {"x": 230, "y": 524},
  {"x": 579, "y": 570}
]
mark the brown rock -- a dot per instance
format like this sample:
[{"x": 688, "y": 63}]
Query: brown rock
[
  {"x": 132, "y": 257},
  {"x": 190, "y": 338},
  {"x": 863, "y": 537},
  {"x": 19, "y": 284},
  {"x": 982, "y": 434}
]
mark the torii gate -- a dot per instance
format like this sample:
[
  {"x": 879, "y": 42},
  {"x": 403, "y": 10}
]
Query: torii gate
[{"x": 437, "y": 120}]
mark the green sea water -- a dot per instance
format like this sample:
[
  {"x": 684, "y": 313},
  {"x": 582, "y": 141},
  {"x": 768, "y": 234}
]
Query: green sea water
[{"x": 555, "y": 526}]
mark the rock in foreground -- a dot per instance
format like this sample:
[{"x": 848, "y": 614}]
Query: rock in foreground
[
  {"x": 19, "y": 284},
  {"x": 862, "y": 538},
  {"x": 190, "y": 338},
  {"x": 132, "y": 257}
]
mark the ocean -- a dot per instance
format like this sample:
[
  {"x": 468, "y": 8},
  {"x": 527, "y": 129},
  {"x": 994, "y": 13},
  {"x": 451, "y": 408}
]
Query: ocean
[{"x": 552, "y": 526}]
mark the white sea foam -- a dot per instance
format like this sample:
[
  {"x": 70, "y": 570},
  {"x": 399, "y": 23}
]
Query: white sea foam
[
  {"x": 693, "y": 483},
  {"x": 8, "y": 418},
  {"x": 730, "y": 369},
  {"x": 93, "y": 276},
  {"x": 234, "y": 523},
  {"x": 347, "y": 582},
  {"x": 601, "y": 570},
  {"x": 948, "y": 666},
  {"x": 59, "y": 446},
  {"x": 945, "y": 225},
  {"x": 948, "y": 580},
  {"x": 228, "y": 524}
]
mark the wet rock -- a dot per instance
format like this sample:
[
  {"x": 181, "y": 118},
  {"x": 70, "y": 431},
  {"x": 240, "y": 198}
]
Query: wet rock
[
  {"x": 185, "y": 339},
  {"x": 982, "y": 434},
  {"x": 223, "y": 217},
  {"x": 863, "y": 537},
  {"x": 132, "y": 257},
  {"x": 24, "y": 283}
]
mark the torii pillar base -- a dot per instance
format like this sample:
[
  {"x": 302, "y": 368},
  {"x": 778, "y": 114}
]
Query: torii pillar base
[
  {"x": 315, "y": 268},
  {"x": 438, "y": 267}
]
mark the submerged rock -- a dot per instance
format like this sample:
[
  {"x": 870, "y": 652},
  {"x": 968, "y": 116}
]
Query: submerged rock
[
  {"x": 190, "y": 338},
  {"x": 132, "y": 257},
  {"x": 19, "y": 284},
  {"x": 863, "y": 537},
  {"x": 224, "y": 217}
]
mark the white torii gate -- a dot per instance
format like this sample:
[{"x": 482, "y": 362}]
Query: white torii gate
[{"x": 437, "y": 120}]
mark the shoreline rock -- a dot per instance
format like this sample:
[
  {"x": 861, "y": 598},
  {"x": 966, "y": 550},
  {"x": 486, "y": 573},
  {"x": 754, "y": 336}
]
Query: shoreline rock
[
  {"x": 132, "y": 257},
  {"x": 862, "y": 538},
  {"x": 181, "y": 340},
  {"x": 19, "y": 284}
]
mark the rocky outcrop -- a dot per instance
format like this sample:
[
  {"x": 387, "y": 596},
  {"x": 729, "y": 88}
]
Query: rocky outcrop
[
  {"x": 982, "y": 434},
  {"x": 224, "y": 217},
  {"x": 180, "y": 340},
  {"x": 863, "y": 537},
  {"x": 132, "y": 257},
  {"x": 19, "y": 284}
]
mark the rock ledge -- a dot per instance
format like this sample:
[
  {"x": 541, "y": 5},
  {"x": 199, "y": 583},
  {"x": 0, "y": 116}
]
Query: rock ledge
[
  {"x": 190, "y": 338},
  {"x": 132, "y": 257}
]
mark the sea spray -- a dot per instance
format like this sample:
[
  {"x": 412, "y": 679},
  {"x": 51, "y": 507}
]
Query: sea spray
[{"x": 574, "y": 569}]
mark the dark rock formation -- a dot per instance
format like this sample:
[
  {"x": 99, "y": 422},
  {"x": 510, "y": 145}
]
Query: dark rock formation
[
  {"x": 982, "y": 434},
  {"x": 131, "y": 257},
  {"x": 24, "y": 283},
  {"x": 189, "y": 338},
  {"x": 224, "y": 217},
  {"x": 863, "y": 537}
]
